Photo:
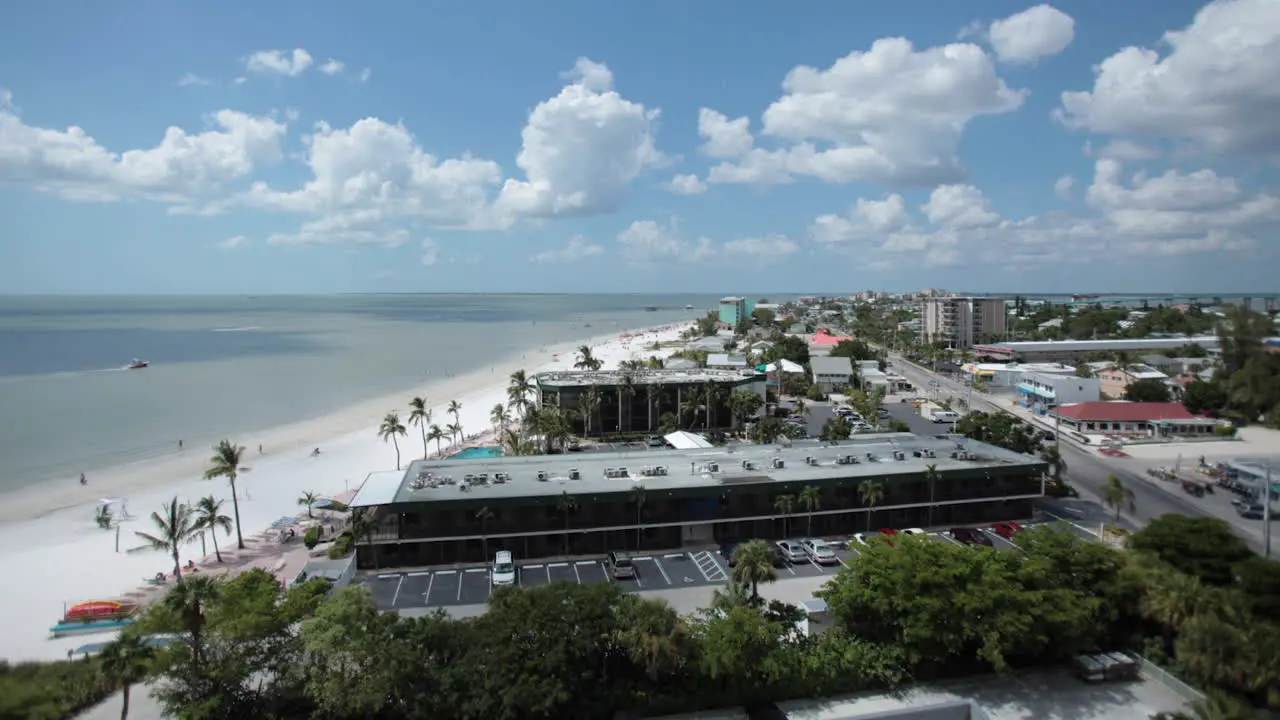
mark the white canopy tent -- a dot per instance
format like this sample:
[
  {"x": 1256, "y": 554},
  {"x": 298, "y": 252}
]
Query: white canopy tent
[{"x": 682, "y": 440}]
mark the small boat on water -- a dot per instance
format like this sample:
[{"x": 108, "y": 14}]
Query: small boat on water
[
  {"x": 688, "y": 307},
  {"x": 651, "y": 308},
  {"x": 137, "y": 364}
]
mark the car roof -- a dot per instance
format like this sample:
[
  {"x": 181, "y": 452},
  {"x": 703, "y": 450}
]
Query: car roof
[{"x": 503, "y": 554}]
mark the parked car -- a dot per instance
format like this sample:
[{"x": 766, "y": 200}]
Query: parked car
[
  {"x": 970, "y": 536},
  {"x": 858, "y": 540},
  {"x": 944, "y": 416},
  {"x": 886, "y": 534},
  {"x": 792, "y": 550},
  {"x": 914, "y": 531},
  {"x": 1250, "y": 511},
  {"x": 1006, "y": 529},
  {"x": 504, "y": 569},
  {"x": 655, "y": 441},
  {"x": 820, "y": 551},
  {"x": 620, "y": 566}
]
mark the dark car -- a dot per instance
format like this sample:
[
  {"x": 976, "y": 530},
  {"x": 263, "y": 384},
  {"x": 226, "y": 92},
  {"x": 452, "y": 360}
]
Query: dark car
[
  {"x": 726, "y": 552},
  {"x": 970, "y": 536}
]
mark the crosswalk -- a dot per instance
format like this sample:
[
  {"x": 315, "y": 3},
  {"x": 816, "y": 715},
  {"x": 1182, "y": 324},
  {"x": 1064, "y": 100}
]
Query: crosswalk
[{"x": 707, "y": 565}]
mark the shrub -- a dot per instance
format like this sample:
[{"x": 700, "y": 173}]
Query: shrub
[
  {"x": 1225, "y": 431},
  {"x": 340, "y": 548},
  {"x": 311, "y": 538}
]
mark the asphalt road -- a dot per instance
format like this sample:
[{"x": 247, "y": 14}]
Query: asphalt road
[{"x": 1085, "y": 471}]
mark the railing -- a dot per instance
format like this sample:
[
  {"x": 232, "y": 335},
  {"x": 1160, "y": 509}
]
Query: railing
[{"x": 1169, "y": 680}]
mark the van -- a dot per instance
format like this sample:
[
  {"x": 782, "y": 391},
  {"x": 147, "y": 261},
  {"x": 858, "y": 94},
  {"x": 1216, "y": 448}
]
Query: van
[
  {"x": 945, "y": 416},
  {"x": 620, "y": 566},
  {"x": 504, "y": 569}
]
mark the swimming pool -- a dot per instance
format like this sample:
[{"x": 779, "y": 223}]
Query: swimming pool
[{"x": 484, "y": 451}]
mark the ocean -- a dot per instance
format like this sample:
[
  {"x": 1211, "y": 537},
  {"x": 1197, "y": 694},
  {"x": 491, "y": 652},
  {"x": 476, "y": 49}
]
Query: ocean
[{"x": 225, "y": 366}]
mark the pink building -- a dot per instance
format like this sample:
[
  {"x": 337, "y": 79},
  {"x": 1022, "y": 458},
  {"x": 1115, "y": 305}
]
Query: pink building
[{"x": 1112, "y": 381}]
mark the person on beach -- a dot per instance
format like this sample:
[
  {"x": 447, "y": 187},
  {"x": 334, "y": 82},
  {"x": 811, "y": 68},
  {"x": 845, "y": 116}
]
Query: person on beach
[
  {"x": 259, "y": 448},
  {"x": 179, "y": 444},
  {"x": 82, "y": 480}
]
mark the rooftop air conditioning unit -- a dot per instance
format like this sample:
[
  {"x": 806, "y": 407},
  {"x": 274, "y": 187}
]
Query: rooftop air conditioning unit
[
  {"x": 808, "y": 460},
  {"x": 917, "y": 453},
  {"x": 608, "y": 472},
  {"x": 929, "y": 453},
  {"x": 483, "y": 477},
  {"x": 661, "y": 469},
  {"x": 852, "y": 459},
  {"x": 542, "y": 475},
  {"x": 778, "y": 463},
  {"x": 899, "y": 455},
  {"x": 871, "y": 457},
  {"x": 622, "y": 472},
  {"x": 574, "y": 474},
  {"x": 713, "y": 467},
  {"x": 842, "y": 459}
]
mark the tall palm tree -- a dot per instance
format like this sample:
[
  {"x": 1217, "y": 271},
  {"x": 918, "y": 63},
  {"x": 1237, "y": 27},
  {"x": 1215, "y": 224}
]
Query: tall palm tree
[
  {"x": 811, "y": 500},
  {"x": 498, "y": 417},
  {"x": 437, "y": 434},
  {"x": 871, "y": 493},
  {"x": 752, "y": 565},
  {"x": 519, "y": 388},
  {"x": 566, "y": 505},
  {"x": 392, "y": 428},
  {"x": 785, "y": 504},
  {"x": 626, "y": 391},
  {"x": 588, "y": 405},
  {"x": 1053, "y": 456},
  {"x": 484, "y": 515},
  {"x": 187, "y": 603},
  {"x": 714, "y": 395},
  {"x": 931, "y": 474},
  {"x": 126, "y": 662},
  {"x": 691, "y": 401},
  {"x": 209, "y": 517},
  {"x": 175, "y": 527},
  {"x": 637, "y": 494},
  {"x": 226, "y": 463},
  {"x": 308, "y": 499},
  {"x": 586, "y": 360},
  {"x": 420, "y": 415},
  {"x": 1117, "y": 495},
  {"x": 455, "y": 431},
  {"x": 454, "y": 409}
]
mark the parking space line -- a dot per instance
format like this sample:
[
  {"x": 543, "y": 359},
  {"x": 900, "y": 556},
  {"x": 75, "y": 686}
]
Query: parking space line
[
  {"x": 426, "y": 596},
  {"x": 533, "y": 567},
  {"x": 724, "y": 573},
  {"x": 948, "y": 538},
  {"x": 661, "y": 570},
  {"x": 418, "y": 574},
  {"x": 789, "y": 568},
  {"x": 459, "y": 598},
  {"x": 842, "y": 562},
  {"x": 389, "y": 576},
  {"x": 477, "y": 569},
  {"x": 396, "y": 596},
  {"x": 576, "y": 576},
  {"x": 551, "y": 565}
]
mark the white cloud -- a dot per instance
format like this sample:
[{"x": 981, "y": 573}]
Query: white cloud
[
  {"x": 352, "y": 227},
  {"x": 725, "y": 138},
  {"x": 279, "y": 62},
  {"x": 240, "y": 80},
  {"x": 232, "y": 243},
  {"x": 365, "y": 74},
  {"x": 1034, "y": 33},
  {"x": 192, "y": 79},
  {"x": 333, "y": 67},
  {"x": 760, "y": 250},
  {"x": 892, "y": 113},
  {"x": 581, "y": 149},
  {"x": 1062, "y": 186},
  {"x": 646, "y": 242},
  {"x": 182, "y": 166},
  {"x": 959, "y": 207},
  {"x": 1216, "y": 85},
  {"x": 578, "y": 248},
  {"x": 1124, "y": 150},
  {"x": 430, "y": 252},
  {"x": 686, "y": 185}
]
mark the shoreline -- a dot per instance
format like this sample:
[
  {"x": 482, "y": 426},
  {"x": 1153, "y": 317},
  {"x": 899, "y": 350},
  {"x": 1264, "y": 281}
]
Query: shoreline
[{"x": 62, "y": 557}]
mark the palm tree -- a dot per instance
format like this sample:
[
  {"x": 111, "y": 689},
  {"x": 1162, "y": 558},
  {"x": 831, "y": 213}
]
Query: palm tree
[
  {"x": 420, "y": 415},
  {"x": 454, "y": 409},
  {"x": 566, "y": 505},
  {"x": 785, "y": 504},
  {"x": 871, "y": 493},
  {"x": 437, "y": 434},
  {"x": 484, "y": 515},
  {"x": 811, "y": 500},
  {"x": 691, "y": 401},
  {"x": 714, "y": 395},
  {"x": 226, "y": 463},
  {"x": 126, "y": 662},
  {"x": 187, "y": 602},
  {"x": 1053, "y": 456},
  {"x": 455, "y": 431},
  {"x": 498, "y": 417},
  {"x": 931, "y": 474},
  {"x": 308, "y": 498},
  {"x": 638, "y": 497},
  {"x": 586, "y": 361},
  {"x": 588, "y": 404},
  {"x": 209, "y": 516},
  {"x": 175, "y": 526},
  {"x": 626, "y": 391},
  {"x": 518, "y": 391},
  {"x": 1117, "y": 495},
  {"x": 392, "y": 428},
  {"x": 752, "y": 565}
]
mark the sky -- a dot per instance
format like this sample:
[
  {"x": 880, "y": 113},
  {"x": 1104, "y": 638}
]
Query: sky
[{"x": 148, "y": 146}]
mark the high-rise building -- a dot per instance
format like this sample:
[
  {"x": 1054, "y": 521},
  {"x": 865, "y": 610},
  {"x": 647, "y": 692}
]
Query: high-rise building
[
  {"x": 963, "y": 322},
  {"x": 734, "y": 310}
]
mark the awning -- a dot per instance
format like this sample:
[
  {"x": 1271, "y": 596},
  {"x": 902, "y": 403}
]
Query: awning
[{"x": 682, "y": 440}]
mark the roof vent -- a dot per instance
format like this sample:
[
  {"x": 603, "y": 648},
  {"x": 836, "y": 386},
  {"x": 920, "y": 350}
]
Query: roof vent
[
  {"x": 574, "y": 474},
  {"x": 713, "y": 467},
  {"x": 542, "y": 475},
  {"x": 622, "y": 472},
  {"x": 779, "y": 463}
]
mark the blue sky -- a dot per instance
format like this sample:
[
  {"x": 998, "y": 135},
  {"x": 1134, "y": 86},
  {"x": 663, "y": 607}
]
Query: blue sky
[{"x": 589, "y": 147}]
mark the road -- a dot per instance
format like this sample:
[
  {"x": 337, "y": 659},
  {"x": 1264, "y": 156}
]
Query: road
[{"x": 1085, "y": 471}]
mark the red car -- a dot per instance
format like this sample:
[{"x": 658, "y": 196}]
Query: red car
[
  {"x": 1006, "y": 529},
  {"x": 887, "y": 534}
]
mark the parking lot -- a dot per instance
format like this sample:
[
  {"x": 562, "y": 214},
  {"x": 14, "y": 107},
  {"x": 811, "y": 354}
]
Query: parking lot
[{"x": 655, "y": 571}]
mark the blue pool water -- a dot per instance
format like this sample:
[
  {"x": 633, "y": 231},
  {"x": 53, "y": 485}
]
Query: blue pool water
[{"x": 484, "y": 451}]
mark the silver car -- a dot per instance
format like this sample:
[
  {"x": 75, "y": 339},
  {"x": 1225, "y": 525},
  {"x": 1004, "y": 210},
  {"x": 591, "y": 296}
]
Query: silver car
[
  {"x": 793, "y": 551},
  {"x": 821, "y": 552}
]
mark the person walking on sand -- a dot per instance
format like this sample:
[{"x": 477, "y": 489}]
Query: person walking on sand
[
  {"x": 82, "y": 480},
  {"x": 179, "y": 444},
  {"x": 259, "y": 448}
]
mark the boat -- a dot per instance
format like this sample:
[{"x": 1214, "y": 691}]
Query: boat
[
  {"x": 137, "y": 364},
  {"x": 651, "y": 308},
  {"x": 688, "y": 307},
  {"x": 64, "y": 629},
  {"x": 94, "y": 616}
]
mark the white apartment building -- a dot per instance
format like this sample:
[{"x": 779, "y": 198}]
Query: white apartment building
[{"x": 963, "y": 322}]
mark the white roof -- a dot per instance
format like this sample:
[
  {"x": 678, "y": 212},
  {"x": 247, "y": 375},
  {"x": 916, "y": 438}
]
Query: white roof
[
  {"x": 788, "y": 366},
  {"x": 682, "y": 440},
  {"x": 379, "y": 488}
]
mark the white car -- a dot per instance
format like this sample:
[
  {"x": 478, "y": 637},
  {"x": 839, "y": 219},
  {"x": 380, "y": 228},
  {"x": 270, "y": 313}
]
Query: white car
[
  {"x": 504, "y": 569},
  {"x": 860, "y": 539},
  {"x": 821, "y": 552},
  {"x": 793, "y": 551},
  {"x": 914, "y": 531}
]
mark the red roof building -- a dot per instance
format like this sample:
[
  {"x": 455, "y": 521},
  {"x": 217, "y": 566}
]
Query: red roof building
[
  {"x": 1134, "y": 419},
  {"x": 823, "y": 337}
]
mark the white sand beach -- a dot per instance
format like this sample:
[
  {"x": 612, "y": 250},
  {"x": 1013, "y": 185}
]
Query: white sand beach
[{"x": 56, "y": 555}]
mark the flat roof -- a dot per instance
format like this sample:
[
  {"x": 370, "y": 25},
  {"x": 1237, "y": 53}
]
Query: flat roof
[
  {"x": 665, "y": 376},
  {"x": 379, "y": 488},
  {"x": 727, "y": 466},
  {"x": 1208, "y": 341}
]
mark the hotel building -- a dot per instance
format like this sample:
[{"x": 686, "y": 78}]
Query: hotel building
[{"x": 963, "y": 322}]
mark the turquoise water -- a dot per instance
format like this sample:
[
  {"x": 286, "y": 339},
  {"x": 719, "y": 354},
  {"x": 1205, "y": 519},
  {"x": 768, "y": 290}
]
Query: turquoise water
[{"x": 484, "y": 451}]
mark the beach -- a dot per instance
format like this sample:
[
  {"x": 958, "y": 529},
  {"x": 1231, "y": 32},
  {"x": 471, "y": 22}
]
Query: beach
[{"x": 58, "y": 556}]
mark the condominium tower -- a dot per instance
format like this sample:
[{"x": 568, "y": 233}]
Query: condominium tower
[{"x": 963, "y": 322}]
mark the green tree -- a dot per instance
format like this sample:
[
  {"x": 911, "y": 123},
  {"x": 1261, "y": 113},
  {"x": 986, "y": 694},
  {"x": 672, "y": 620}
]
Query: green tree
[
  {"x": 420, "y": 415},
  {"x": 931, "y": 475},
  {"x": 308, "y": 500},
  {"x": 1117, "y": 495},
  {"x": 208, "y": 516},
  {"x": 871, "y": 493},
  {"x": 811, "y": 500},
  {"x": 785, "y": 504},
  {"x": 390, "y": 429},
  {"x": 744, "y": 405},
  {"x": 637, "y": 495},
  {"x": 455, "y": 428},
  {"x": 567, "y": 505},
  {"x": 586, "y": 360},
  {"x": 836, "y": 428},
  {"x": 127, "y": 661},
  {"x": 437, "y": 434},
  {"x": 1201, "y": 547},
  {"x": 1147, "y": 391},
  {"x": 753, "y": 564},
  {"x": 226, "y": 463},
  {"x": 1201, "y": 397},
  {"x": 175, "y": 526}
]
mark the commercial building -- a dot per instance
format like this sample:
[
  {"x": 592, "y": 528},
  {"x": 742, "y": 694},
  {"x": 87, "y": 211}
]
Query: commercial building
[
  {"x": 1010, "y": 374},
  {"x": 963, "y": 322},
  {"x": 1137, "y": 420},
  {"x": 634, "y": 401},
  {"x": 734, "y": 310},
  {"x": 831, "y": 374},
  {"x": 1077, "y": 350},
  {"x": 1115, "y": 380},
  {"x": 1041, "y": 391},
  {"x": 546, "y": 505}
]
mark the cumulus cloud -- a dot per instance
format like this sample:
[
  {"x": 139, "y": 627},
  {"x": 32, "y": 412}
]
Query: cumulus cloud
[
  {"x": 281, "y": 63},
  {"x": 333, "y": 67},
  {"x": 646, "y": 243},
  {"x": 232, "y": 243},
  {"x": 430, "y": 252},
  {"x": 1062, "y": 186},
  {"x": 578, "y": 248},
  {"x": 892, "y": 113},
  {"x": 180, "y": 167},
  {"x": 724, "y": 138},
  {"x": 686, "y": 185},
  {"x": 1215, "y": 85},
  {"x": 191, "y": 80},
  {"x": 1038, "y": 32}
]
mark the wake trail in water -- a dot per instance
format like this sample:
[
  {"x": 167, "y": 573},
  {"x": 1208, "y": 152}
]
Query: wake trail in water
[
  {"x": 61, "y": 375},
  {"x": 247, "y": 328}
]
